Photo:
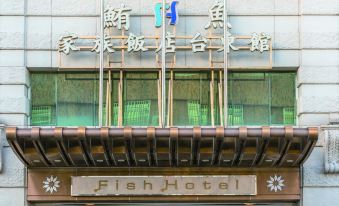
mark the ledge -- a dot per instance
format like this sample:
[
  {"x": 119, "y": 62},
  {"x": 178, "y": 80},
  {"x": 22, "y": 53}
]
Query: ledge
[{"x": 162, "y": 147}]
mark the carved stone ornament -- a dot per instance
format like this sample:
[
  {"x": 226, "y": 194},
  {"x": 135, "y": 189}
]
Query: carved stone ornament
[{"x": 331, "y": 136}]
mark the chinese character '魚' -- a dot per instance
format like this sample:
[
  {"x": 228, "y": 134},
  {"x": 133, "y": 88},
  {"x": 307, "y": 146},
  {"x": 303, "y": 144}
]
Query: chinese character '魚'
[{"x": 216, "y": 14}]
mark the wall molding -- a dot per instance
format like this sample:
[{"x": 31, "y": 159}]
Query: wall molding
[
  {"x": 2, "y": 137},
  {"x": 331, "y": 136}
]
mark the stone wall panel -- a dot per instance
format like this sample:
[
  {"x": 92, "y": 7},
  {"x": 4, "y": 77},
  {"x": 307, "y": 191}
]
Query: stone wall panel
[
  {"x": 11, "y": 7},
  {"x": 318, "y": 75},
  {"x": 13, "y": 75}
]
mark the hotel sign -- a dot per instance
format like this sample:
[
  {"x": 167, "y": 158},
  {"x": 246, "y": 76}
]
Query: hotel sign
[
  {"x": 170, "y": 184},
  {"x": 211, "y": 41},
  {"x": 163, "y": 185}
]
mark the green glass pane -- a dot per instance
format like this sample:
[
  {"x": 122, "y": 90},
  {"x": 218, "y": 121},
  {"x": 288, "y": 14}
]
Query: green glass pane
[
  {"x": 283, "y": 98},
  {"x": 191, "y": 99},
  {"x": 261, "y": 98},
  {"x": 249, "y": 99},
  {"x": 76, "y": 97},
  {"x": 71, "y": 99},
  {"x": 140, "y": 99},
  {"x": 43, "y": 87}
]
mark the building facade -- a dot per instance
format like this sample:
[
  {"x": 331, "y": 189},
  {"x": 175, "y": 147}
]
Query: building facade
[{"x": 280, "y": 96}]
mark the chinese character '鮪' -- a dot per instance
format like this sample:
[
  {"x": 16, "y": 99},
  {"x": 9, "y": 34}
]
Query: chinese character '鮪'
[{"x": 117, "y": 17}]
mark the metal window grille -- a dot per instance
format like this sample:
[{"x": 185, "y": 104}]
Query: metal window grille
[
  {"x": 193, "y": 109},
  {"x": 236, "y": 114},
  {"x": 199, "y": 114},
  {"x": 288, "y": 113},
  {"x": 204, "y": 115},
  {"x": 137, "y": 113},
  {"x": 41, "y": 115}
]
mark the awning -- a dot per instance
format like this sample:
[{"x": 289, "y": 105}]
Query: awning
[{"x": 162, "y": 147}]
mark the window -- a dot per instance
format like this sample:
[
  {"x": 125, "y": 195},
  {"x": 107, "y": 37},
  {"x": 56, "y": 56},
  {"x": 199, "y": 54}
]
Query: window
[
  {"x": 71, "y": 99},
  {"x": 43, "y": 87},
  {"x": 192, "y": 100},
  {"x": 261, "y": 98},
  {"x": 140, "y": 99}
]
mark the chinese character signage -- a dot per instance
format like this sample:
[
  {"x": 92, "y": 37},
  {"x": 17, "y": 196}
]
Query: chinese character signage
[{"x": 119, "y": 18}]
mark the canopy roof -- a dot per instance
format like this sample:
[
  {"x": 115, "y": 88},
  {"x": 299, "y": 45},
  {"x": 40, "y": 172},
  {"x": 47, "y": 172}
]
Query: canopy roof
[{"x": 162, "y": 147}]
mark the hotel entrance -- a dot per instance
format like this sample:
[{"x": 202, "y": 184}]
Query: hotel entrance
[
  {"x": 194, "y": 114},
  {"x": 163, "y": 165}
]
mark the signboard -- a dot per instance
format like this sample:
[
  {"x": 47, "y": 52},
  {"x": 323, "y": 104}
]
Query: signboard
[
  {"x": 211, "y": 42},
  {"x": 163, "y": 185},
  {"x": 215, "y": 184}
]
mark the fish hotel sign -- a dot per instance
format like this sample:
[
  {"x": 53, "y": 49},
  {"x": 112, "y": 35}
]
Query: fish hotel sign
[{"x": 163, "y": 185}]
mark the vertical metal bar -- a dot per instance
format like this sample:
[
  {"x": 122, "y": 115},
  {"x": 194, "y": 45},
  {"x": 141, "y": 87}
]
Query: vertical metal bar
[
  {"x": 101, "y": 61},
  {"x": 159, "y": 84},
  {"x": 163, "y": 64},
  {"x": 170, "y": 100},
  {"x": 226, "y": 47},
  {"x": 269, "y": 76},
  {"x": 107, "y": 103},
  {"x": 221, "y": 119},
  {"x": 172, "y": 83},
  {"x": 120, "y": 104},
  {"x": 110, "y": 98},
  {"x": 109, "y": 93},
  {"x": 211, "y": 65},
  {"x": 212, "y": 97},
  {"x": 159, "y": 101}
]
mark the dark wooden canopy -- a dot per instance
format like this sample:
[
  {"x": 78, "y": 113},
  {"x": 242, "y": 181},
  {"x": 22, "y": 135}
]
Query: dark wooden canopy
[{"x": 162, "y": 147}]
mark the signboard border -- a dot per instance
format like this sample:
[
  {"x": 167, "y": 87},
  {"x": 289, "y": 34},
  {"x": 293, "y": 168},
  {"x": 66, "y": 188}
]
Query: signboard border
[{"x": 178, "y": 176}]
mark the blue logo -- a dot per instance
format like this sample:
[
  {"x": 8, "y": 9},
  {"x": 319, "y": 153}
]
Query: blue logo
[{"x": 172, "y": 15}]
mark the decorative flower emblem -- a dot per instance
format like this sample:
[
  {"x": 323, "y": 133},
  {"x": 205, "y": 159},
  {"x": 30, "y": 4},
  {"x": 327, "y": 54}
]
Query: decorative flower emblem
[
  {"x": 275, "y": 183},
  {"x": 51, "y": 184}
]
